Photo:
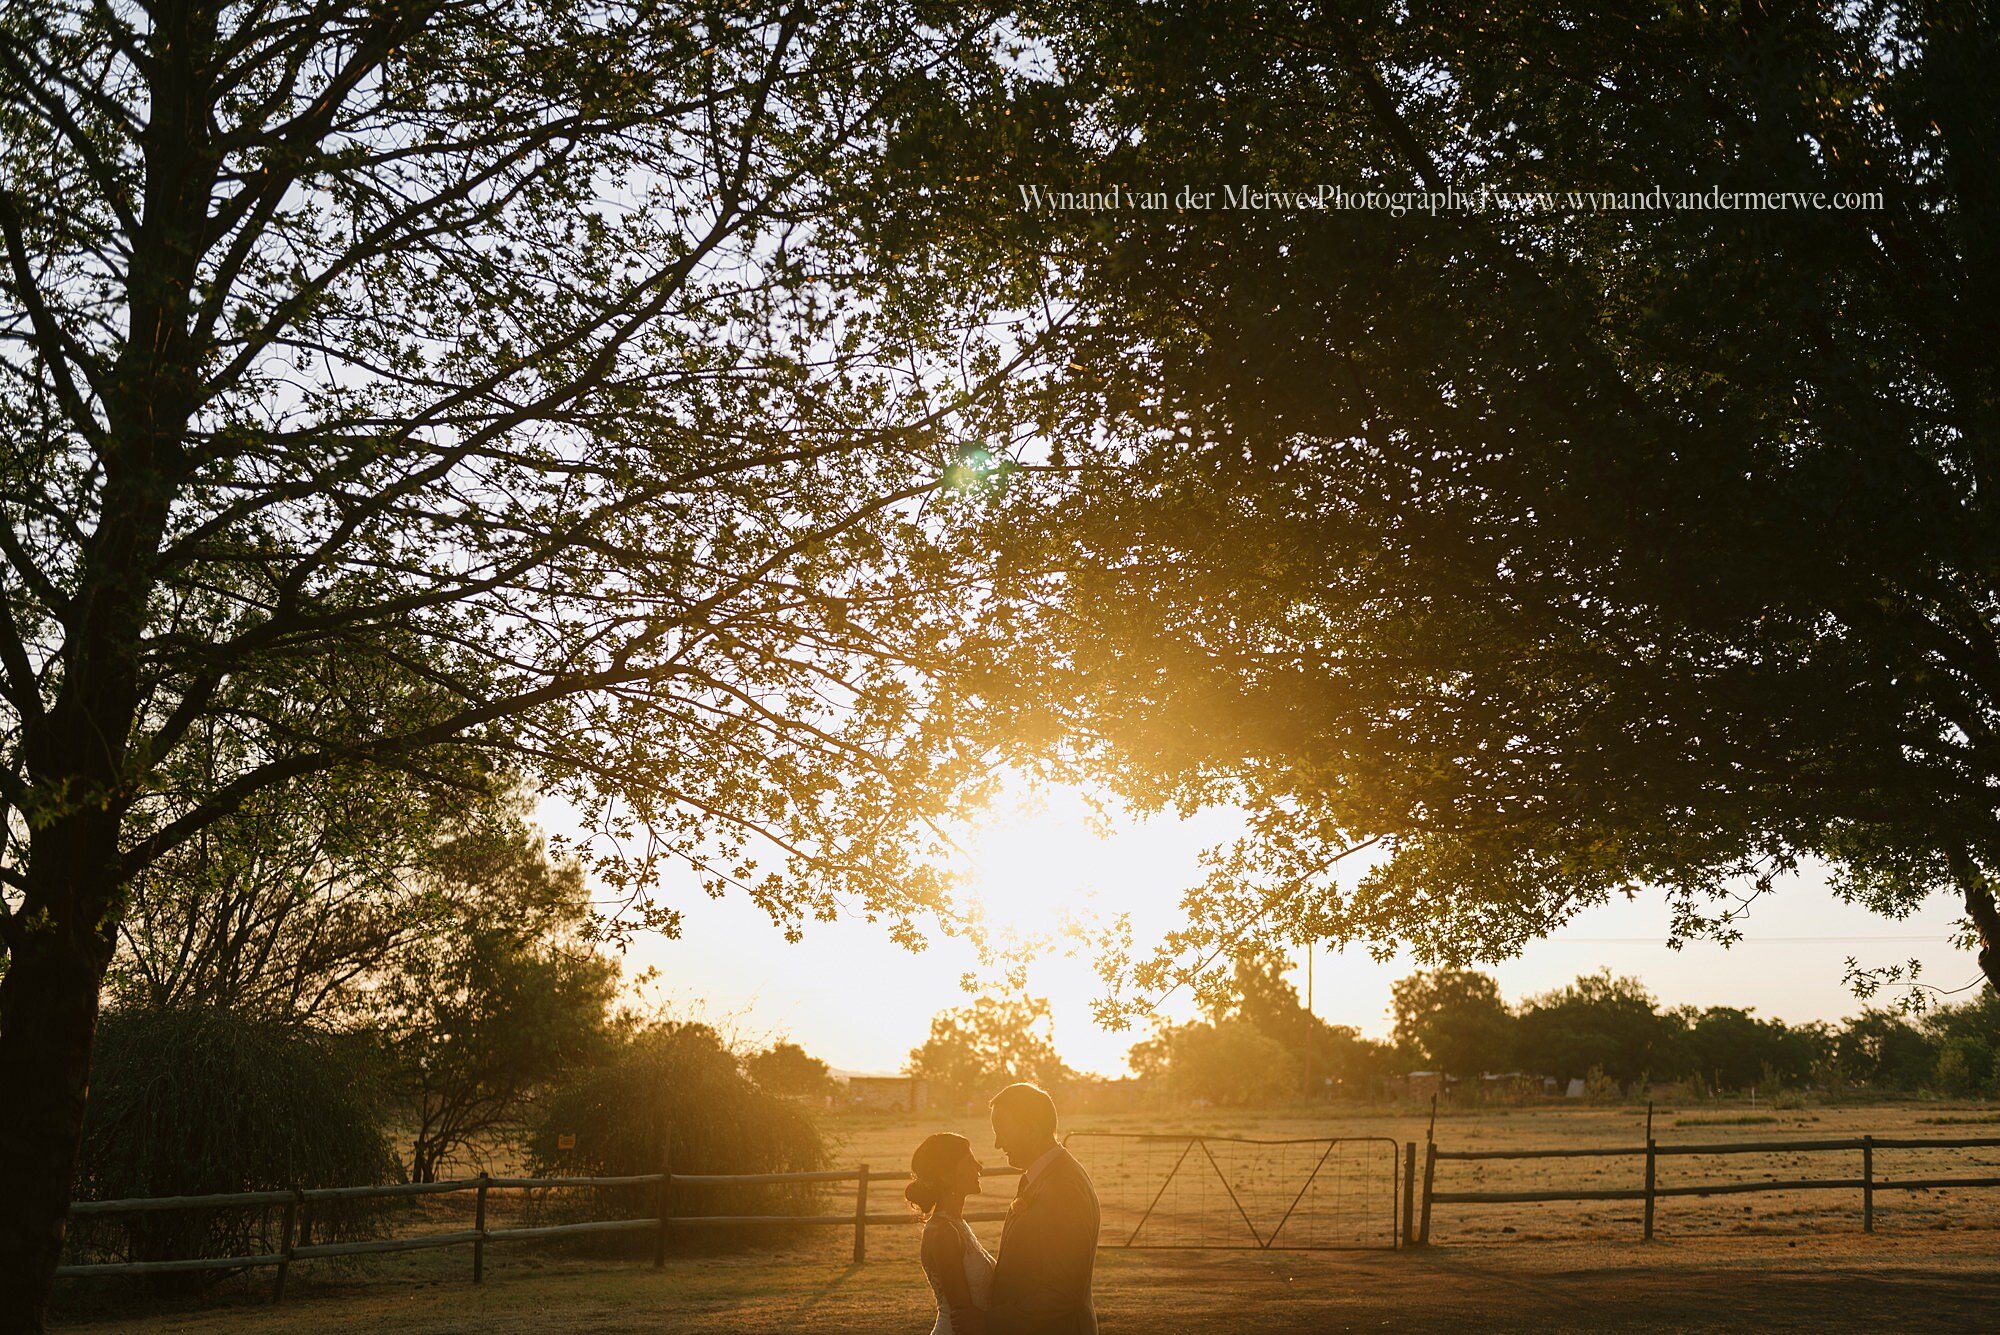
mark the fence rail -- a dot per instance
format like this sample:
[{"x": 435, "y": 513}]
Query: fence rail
[
  {"x": 1652, "y": 1151},
  {"x": 296, "y": 1246},
  {"x": 295, "y": 1242}
]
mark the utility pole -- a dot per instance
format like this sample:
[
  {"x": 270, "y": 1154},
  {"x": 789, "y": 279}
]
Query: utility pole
[{"x": 1312, "y": 1091}]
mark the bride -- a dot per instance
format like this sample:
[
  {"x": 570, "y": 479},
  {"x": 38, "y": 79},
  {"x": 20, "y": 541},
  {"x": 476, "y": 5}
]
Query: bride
[{"x": 960, "y": 1271}]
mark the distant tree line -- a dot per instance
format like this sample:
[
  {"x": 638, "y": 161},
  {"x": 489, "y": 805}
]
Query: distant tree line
[
  {"x": 1264, "y": 1047},
  {"x": 1610, "y": 1030}
]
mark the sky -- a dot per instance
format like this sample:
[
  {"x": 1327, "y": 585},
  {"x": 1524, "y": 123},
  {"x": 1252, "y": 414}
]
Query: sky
[{"x": 859, "y": 1002}]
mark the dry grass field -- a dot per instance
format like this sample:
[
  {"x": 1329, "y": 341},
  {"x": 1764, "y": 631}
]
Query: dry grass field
[
  {"x": 1782, "y": 1261},
  {"x": 884, "y": 1144}
]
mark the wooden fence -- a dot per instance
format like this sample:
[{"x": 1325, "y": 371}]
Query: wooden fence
[
  {"x": 295, "y": 1230},
  {"x": 1649, "y": 1191}
]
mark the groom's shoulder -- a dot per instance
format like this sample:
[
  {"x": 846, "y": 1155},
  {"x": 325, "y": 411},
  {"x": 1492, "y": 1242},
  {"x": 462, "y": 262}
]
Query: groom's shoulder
[{"x": 1077, "y": 1172}]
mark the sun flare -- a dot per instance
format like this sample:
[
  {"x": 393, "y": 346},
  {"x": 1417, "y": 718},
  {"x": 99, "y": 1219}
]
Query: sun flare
[{"x": 1033, "y": 863}]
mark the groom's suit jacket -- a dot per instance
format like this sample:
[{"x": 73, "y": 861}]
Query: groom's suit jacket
[{"x": 1041, "y": 1284}]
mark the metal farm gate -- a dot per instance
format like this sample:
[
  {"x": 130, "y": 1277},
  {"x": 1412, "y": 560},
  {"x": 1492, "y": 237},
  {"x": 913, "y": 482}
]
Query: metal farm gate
[{"x": 1227, "y": 1192}]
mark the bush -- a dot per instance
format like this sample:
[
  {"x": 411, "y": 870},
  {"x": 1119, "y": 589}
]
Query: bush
[
  {"x": 200, "y": 1102},
  {"x": 676, "y": 1087},
  {"x": 1601, "y": 1088},
  {"x": 1964, "y": 1064}
]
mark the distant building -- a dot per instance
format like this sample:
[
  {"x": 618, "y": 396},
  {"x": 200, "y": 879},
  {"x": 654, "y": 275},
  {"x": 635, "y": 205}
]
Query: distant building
[
  {"x": 890, "y": 1093},
  {"x": 1419, "y": 1083}
]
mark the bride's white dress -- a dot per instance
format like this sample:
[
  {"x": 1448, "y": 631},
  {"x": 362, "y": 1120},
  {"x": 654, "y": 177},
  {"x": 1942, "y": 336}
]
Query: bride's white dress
[{"x": 978, "y": 1271}]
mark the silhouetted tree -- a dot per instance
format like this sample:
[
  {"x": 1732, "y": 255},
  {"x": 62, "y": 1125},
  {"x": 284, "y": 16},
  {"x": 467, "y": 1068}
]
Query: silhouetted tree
[
  {"x": 1455, "y": 1020},
  {"x": 292, "y": 905},
  {"x": 1883, "y": 1050},
  {"x": 449, "y": 387},
  {"x": 1268, "y": 1002},
  {"x": 496, "y": 1001},
  {"x": 1602, "y": 1023},
  {"x": 1228, "y": 1062},
  {"x": 972, "y": 1051},
  {"x": 786, "y": 1068},
  {"x": 1967, "y": 1035},
  {"x": 1735, "y": 1050}
]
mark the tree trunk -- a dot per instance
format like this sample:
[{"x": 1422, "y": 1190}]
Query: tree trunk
[
  {"x": 1985, "y": 914},
  {"x": 48, "y": 1018}
]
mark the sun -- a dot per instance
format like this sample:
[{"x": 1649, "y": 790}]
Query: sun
[{"x": 1033, "y": 863}]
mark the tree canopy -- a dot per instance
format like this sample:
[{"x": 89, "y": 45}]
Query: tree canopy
[
  {"x": 787, "y": 1068},
  {"x": 1601, "y": 1024},
  {"x": 972, "y": 1051},
  {"x": 1558, "y": 548},
  {"x": 1454, "y": 1019}
]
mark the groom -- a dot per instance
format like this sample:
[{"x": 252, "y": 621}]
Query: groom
[{"x": 1041, "y": 1284}]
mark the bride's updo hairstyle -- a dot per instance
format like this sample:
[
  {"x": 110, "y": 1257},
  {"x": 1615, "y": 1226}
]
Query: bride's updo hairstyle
[{"x": 931, "y": 1169}]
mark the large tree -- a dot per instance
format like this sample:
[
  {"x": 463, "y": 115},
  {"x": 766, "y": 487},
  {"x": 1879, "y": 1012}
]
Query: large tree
[
  {"x": 1328, "y": 1055},
  {"x": 502, "y": 995},
  {"x": 1604, "y": 1024},
  {"x": 470, "y": 382},
  {"x": 1559, "y": 548},
  {"x": 972, "y": 1051},
  {"x": 1456, "y": 1020},
  {"x": 786, "y": 1068}
]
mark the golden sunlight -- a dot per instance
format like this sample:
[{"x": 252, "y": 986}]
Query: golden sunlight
[{"x": 1038, "y": 860}]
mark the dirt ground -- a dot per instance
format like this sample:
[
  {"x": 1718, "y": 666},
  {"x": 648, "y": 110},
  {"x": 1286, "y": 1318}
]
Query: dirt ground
[
  {"x": 1843, "y": 1282},
  {"x": 1768, "y": 1262}
]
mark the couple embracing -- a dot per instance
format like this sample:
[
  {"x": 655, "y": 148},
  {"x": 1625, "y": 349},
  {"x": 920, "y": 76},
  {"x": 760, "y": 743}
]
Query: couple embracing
[{"x": 1040, "y": 1282}]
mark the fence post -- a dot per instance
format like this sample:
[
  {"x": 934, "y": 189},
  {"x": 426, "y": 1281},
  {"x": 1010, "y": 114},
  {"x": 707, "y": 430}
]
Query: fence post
[
  {"x": 1651, "y": 1144},
  {"x": 479, "y": 1227},
  {"x": 294, "y": 1208},
  {"x": 1430, "y": 1179},
  {"x": 861, "y": 1217},
  {"x": 665, "y": 1208},
  {"x": 1409, "y": 1192},
  {"x": 1868, "y": 1184}
]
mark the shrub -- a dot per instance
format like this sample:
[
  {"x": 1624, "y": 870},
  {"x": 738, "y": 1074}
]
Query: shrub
[
  {"x": 1601, "y": 1088},
  {"x": 199, "y": 1102},
  {"x": 675, "y": 1087}
]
